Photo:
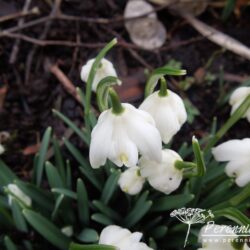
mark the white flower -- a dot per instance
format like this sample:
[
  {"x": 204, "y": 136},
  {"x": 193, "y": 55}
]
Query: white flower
[
  {"x": 237, "y": 154},
  {"x": 131, "y": 181},
  {"x": 105, "y": 69},
  {"x": 219, "y": 237},
  {"x": 122, "y": 238},
  {"x": 15, "y": 192},
  {"x": 168, "y": 112},
  {"x": 2, "y": 149},
  {"x": 236, "y": 99},
  {"x": 119, "y": 137},
  {"x": 163, "y": 176}
]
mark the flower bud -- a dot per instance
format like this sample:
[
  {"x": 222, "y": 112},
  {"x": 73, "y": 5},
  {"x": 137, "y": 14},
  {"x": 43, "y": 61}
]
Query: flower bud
[{"x": 15, "y": 192}]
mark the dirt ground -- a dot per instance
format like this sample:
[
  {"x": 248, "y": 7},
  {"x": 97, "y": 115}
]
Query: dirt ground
[{"x": 32, "y": 90}]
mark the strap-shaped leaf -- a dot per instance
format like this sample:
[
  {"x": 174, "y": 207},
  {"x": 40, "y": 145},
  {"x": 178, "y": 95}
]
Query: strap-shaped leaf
[
  {"x": 18, "y": 217},
  {"x": 102, "y": 219},
  {"x": 82, "y": 202},
  {"x": 110, "y": 187},
  {"x": 9, "y": 244},
  {"x": 74, "y": 246},
  {"x": 47, "y": 229},
  {"x": 65, "y": 192},
  {"x": 7, "y": 176},
  {"x": 42, "y": 155},
  {"x": 201, "y": 168},
  {"x": 54, "y": 178},
  {"x": 171, "y": 202}
]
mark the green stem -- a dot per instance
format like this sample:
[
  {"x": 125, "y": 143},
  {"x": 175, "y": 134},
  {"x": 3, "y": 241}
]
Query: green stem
[
  {"x": 236, "y": 116},
  {"x": 116, "y": 103},
  {"x": 92, "y": 73},
  {"x": 163, "y": 87},
  {"x": 184, "y": 165}
]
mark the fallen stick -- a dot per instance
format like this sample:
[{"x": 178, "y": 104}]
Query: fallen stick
[
  {"x": 63, "y": 79},
  {"x": 218, "y": 37}
]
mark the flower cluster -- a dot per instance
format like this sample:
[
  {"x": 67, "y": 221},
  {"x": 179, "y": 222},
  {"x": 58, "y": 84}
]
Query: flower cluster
[{"x": 129, "y": 132}]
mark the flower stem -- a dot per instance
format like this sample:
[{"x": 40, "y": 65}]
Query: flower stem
[
  {"x": 163, "y": 88},
  {"x": 186, "y": 239},
  {"x": 116, "y": 103}
]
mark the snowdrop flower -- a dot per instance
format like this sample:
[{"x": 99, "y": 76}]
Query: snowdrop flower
[
  {"x": 119, "y": 136},
  {"x": 221, "y": 239},
  {"x": 236, "y": 99},
  {"x": 2, "y": 149},
  {"x": 164, "y": 176},
  {"x": 168, "y": 112},
  {"x": 237, "y": 154},
  {"x": 131, "y": 181},
  {"x": 105, "y": 69},
  {"x": 15, "y": 192},
  {"x": 122, "y": 238}
]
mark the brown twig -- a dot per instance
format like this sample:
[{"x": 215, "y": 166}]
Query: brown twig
[
  {"x": 15, "y": 47},
  {"x": 34, "y": 11},
  {"x": 63, "y": 79}
]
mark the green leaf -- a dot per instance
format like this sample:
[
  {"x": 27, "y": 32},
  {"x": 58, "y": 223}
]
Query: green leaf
[
  {"x": 228, "y": 9},
  {"x": 88, "y": 235},
  {"x": 59, "y": 160},
  {"x": 68, "y": 175},
  {"x": 159, "y": 232},
  {"x": 85, "y": 167},
  {"x": 201, "y": 168},
  {"x": 65, "y": 192},
  {"x": 42, "y": 155},
  {"x": 102, "y": 219},
  {"x": 18, "y": 217},
  {"x": 110, "y": 187},
  {"x": 48, "y": 230},
  {"x": 233, "y": 214},
  {"x": 74, "y": 246},
  {"x": 82, "y": 202},
  {"x": 92, "y": 73},
  {"x": 170, "y": 202},
  {"x": 78, "y": 131},
  {"x": 141, "y": 207},
  {"x": 9, "y": 244},
  {"x": 157, "y": 74},
  {"x": 53, "y": 176},
  {"x": 58, "y": 203},
  {"x": 6, "y": 175},
  {"x": 107, "y": 210}
]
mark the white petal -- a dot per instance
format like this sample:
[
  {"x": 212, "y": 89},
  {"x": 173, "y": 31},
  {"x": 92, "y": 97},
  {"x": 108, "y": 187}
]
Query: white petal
[
  {"x": 239, "y": 95},
  {"x": 232, "y": 150},
  {"x": 101, "y": 134}
]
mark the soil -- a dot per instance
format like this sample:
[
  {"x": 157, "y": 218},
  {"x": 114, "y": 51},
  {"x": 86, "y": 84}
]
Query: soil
[{"x": 32, "y": 93}]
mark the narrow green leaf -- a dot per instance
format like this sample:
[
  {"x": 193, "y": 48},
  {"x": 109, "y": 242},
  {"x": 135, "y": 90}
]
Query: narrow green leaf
[
  {"x": 53, "y": 176},
  {"x": 68, "y": 175},
  {"x": 201, "y": 168},
  {"x": 18, "y": 217},
  {"x": 42, "y": 155},
  {"x": 65, "y": 192},
  {"x": 74, "y": 246},
  {"x": 102, "y": 219},
  {"x": 48, "y": 230},
  {"x": 78, "y": 131},
  {"x": 85, "y": 167},
  {"x": 6, "y": 175},
  {"x": 57, "y": 205},
  {"x": 59, "y": 160},
  {"x": 110, "y": 187},
  {"x": 82, "y": 202},
  {"x": 9, "y": 244},
  {"x": 136, "y": 215},
  {"x": 170, "y": 202},
  {"x": 107, "y": 211},
  {"x": 233, "y": 214},
  {"x": 88, "y": 235}
]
